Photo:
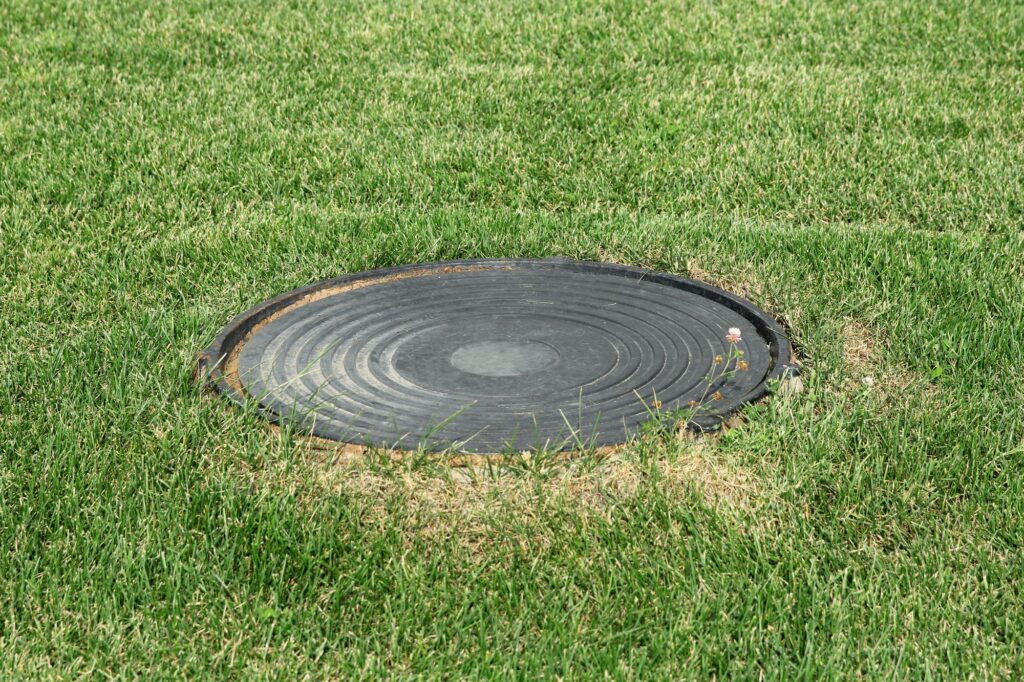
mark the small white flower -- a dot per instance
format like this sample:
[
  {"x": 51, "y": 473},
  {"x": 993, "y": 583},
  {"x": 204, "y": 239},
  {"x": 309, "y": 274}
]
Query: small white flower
[{"x": 734, "y": 335}]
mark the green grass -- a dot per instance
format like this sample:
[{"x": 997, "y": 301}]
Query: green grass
[{"x": 165, "y": 165}]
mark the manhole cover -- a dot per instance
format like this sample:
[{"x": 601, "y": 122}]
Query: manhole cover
[{"x": 493, "y": 355}]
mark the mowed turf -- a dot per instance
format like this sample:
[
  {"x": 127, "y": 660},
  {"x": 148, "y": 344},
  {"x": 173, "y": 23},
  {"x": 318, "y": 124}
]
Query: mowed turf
[{"x": 856, "y": 169}]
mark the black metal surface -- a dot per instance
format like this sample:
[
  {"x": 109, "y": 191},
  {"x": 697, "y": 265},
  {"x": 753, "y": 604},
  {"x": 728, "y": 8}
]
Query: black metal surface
[{"x": 490, "y": 356}]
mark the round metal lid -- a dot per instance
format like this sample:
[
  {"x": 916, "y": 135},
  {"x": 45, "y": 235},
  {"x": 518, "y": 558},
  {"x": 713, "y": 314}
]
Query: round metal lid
[{"x": 494, "y": 355}]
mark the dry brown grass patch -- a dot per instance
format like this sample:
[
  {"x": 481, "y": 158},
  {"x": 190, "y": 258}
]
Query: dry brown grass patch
[
  {"x": 864, "y": 350},
  {"x": 471, "y": 505},
  {"x": 724, "y": 485}
]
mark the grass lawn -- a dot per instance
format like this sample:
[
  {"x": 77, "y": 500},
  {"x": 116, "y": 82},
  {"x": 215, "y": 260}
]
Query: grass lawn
[{"x": 855, "y": 169}]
